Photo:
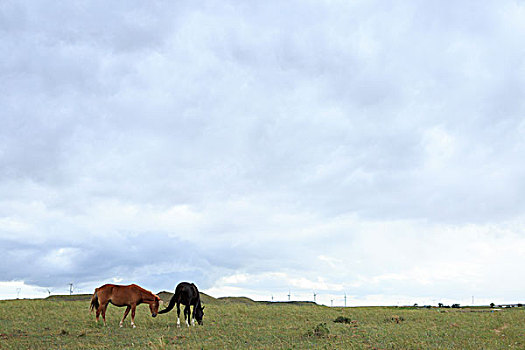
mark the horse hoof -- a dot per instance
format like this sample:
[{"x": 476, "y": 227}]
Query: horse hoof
[
  {"x": 134, "y": 326},
  {"x": 121, "y": 325}
]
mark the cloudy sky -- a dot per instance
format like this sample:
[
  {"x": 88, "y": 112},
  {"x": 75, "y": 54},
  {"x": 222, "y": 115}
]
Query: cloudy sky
[{"x": 368, "y": 148}]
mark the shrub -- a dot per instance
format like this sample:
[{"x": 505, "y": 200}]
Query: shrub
[
  {"x": 320, "y": 331},
  {"x": 342, "y": 319}
]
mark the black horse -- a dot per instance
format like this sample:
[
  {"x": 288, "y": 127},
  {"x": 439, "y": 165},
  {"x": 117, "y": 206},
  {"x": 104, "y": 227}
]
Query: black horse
[{"x": 186, "y": 294}]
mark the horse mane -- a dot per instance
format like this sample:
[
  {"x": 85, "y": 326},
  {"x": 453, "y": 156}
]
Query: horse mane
[
  {"x": 198, "y": 295},
  {"x": 145, "y": 291}
]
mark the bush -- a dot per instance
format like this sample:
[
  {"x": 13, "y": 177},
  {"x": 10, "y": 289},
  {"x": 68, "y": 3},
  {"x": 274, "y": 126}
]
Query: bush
[
  {"x": 342, "y": 319},
  {"x": 320, "y": 331}
]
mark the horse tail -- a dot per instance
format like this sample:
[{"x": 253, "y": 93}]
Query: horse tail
[
  {"x": 173, "y": 300},
  {"x": 94, "y": 302}
]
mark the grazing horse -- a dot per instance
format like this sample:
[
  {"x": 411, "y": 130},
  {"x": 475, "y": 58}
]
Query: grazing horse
[
  {"x": 129, "y": 296},
  {"x": 187, "y": 294}
]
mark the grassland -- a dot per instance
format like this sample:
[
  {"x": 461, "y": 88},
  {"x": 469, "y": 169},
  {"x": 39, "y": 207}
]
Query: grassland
[{"x": 60, "y": 323}]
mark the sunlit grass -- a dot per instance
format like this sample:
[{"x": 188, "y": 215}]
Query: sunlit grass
[{"x": 43, "y": 324}]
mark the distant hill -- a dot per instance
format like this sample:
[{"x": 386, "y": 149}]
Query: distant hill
[
  {"x": 73, "y": 297},
  {"x": 237, "y": 300},
  {"x": 304, "y": 303},
  {"x": 164, "y": 296},
  {"x": 205, "y": 298}
]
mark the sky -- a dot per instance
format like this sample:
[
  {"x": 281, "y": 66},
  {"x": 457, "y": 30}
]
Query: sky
[{"x": 367, "y": 149}]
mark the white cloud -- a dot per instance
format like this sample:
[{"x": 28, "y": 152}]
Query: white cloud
[
  {"x": 13, "y": 225},
  {"x": 18, "y": 289},
  {"x": 254, "y": 148}
]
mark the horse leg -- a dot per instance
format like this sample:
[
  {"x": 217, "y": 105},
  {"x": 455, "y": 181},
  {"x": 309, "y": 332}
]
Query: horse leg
[
  {"x": 125, "y": 314},
  {"x": 193, "y": 316},
  {"x": 187, "y": 315},
  {"x": 133, "y": 315},
  {"x": 104, "y": 307},
  {"x": 178, "y": 315},
  {"x": 99, "y": 309}
]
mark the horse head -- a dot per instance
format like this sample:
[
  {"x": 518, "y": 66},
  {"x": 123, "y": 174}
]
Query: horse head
[
  {"x": 154, "y": 306},
  {"x": 199, "y": 314}
]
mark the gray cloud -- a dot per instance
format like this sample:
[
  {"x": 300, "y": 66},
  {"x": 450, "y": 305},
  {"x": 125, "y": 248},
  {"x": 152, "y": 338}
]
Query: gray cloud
[{"x": 266, "y": 140}]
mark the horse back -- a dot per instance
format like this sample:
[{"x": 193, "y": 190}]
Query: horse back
[
  {"x": 187, "y": 293},
  {"x": 120, "y": 295}
]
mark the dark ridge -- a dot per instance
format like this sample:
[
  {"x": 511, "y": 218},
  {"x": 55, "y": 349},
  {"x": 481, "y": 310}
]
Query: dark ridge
[
  {"x": 304, "y": 303},
  {"x": 237, "y": 300},
  {"x": 205, "y": 298},
  {"x": 165, "y": 296},
  {"x": 74, "y": 297}
]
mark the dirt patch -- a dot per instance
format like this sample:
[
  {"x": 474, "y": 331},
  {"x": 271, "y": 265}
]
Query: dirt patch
[
  {"x": 500, "y": 329},
  {"x": 16, "y": 334}
]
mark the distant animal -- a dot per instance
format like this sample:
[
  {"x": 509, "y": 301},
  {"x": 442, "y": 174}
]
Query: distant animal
[
  {"x": 186, "y": 294},
  {"x": 129, "y": 296}
]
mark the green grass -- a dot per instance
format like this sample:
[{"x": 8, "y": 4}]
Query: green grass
[{"x": 60, "y": 323}]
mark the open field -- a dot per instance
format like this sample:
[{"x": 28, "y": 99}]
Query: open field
[{"x": 60, "y": 323}]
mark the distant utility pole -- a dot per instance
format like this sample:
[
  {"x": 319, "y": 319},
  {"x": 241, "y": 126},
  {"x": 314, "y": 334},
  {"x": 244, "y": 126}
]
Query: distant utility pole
[
  {"x": 272, "y": 297},
  {"x": 71, "y": 289},
  {"x": 289, "y": 294},
  {"x": 331, "y": 302},
  {"x": 345, "y": 299},
  {"x": 18, "y": 290},
  {"x": 314, "y": 297}
]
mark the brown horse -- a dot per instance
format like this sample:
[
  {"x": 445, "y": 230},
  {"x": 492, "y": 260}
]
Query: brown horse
[{"x": 129, "y": 296}]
